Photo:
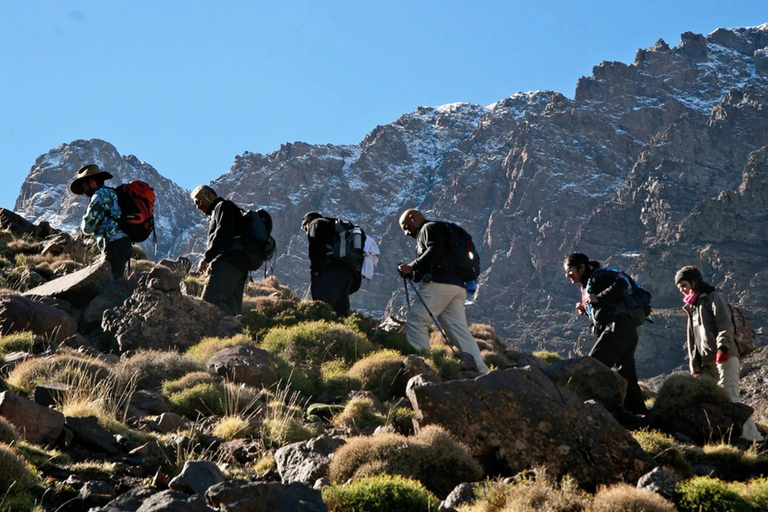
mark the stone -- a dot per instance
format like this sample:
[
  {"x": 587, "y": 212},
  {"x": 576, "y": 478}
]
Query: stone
[
  {"x": 19, "y": 314},
  {"x": 306, "y": 461},
  {"x": 109, "y": 297},
  {"x": 589, "y": 379},
  {"x": 517, "y": 418},
  {"x": 173, "y": 501},
  {"x": 128, "y": 502},
  {"x": 97, "y": 492},
  {"x": 35, "y": 423},
  {"x": 660, "y": 481},
  {"x": 79, "y": 287},
  {"x": 264, "y": 497},
  {"x": 88, "y": 433},
  {"x": 197, "y": 477},
  {"x": 153, "y": 319},
  {"x": 169, "y": 422},
  {"x": 51, "y": 393},
  {"x": 245, "y": 365}
]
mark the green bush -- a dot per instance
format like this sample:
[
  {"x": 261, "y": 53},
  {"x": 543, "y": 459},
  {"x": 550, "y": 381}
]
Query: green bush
[
  {"x": 756, "y": 493},
  {"x": 189, "y": 381},
  {"x": 150, "y": 368},
  {"x": 313, "y": 343},
  {"x": 664, "y": 449},
  {"x": 378, "y": 373},
  {"x": 380, "y": 336},
  {"x": 304, "y": 379},
  {"x": 731, "y": 462},
  {"x": 680, "y": 391},
  {"x": 706, "y": 494},
  {"x": 284, "y": 313},
  {"x": 204, "y": 350},
  {"x": 17, "y": 480},
  {"x": 282, "y": 423},
  {"x": 447, "y": 365},
  {"x": 382, "y": 493},
  {"x": 432, "y": 456},
  {"x": 17, "y": 342},
  {"x": 336, "y": 382},
  {"x": 548, "y": 356},
  {"x": 205, "y": 398}
]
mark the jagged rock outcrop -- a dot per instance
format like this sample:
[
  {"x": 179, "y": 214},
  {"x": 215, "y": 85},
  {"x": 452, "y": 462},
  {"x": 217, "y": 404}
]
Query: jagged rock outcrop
[{"x": 650, "y": 166}]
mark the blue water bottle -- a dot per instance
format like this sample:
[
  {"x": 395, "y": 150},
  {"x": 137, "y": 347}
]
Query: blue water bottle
[{"x": 471, "y": 287}]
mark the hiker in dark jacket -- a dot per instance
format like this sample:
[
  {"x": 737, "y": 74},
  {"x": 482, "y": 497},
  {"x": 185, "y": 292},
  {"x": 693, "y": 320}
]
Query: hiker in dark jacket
[
  {"x": 332, "y": 281},
  {"x": 712, "y": 351},
  {"x": 100, "y": 219},
  {"x": 441, "y": 288},
  {"x": 224, "y": 259},
  {"x": 601, "y": 298}
]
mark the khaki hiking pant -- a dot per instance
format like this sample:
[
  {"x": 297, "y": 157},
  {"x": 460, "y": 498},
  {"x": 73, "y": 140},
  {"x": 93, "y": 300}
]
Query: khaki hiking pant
[
  {"x": 727, "y": 377},
  {"x": 446, "y": 301}
]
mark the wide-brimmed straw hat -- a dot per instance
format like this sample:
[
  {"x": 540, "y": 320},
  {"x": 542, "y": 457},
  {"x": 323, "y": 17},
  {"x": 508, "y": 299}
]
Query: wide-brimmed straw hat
[{"x": 90, "y": 171}]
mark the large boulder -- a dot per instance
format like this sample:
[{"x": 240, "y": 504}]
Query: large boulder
[
  {"x": 35, "y": 423},
  {"x": 197, "y": 477},
  {"x": 19, "y": 313},
  {"x": 79, "y": 287},
  {"x": 160, "y": 319},
  {"x": 589, "y": 379},
  {"x": 264, "y": 497},
  {"x": 517, "y": 418},
  {"x": 306, "y": 461},
  {"x": 245, "y": 365}
]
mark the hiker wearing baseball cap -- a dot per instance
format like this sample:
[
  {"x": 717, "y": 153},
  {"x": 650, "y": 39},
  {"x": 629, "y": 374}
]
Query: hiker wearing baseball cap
[{"x": 100, "y": 219}]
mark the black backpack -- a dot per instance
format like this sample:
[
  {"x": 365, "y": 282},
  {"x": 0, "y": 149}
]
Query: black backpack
[
  {"x": 258, "y": 243},
  {"x": 637, "y": 300},
  {"x": 348, "y": 244},
  {"x": 462, "y": 255}
]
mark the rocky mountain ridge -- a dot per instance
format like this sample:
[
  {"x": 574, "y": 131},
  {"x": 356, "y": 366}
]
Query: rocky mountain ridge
[{"x": 651, "y": 166}]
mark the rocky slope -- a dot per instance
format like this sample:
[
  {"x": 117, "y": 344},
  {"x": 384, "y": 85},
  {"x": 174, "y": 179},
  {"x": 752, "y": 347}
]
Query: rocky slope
[{"x": 651, "y": 166}]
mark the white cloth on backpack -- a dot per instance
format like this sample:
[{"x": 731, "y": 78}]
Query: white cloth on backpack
[{"x": 370, "y": 257}]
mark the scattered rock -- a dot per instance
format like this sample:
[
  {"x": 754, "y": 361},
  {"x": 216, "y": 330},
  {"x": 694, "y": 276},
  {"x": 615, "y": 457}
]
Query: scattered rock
[
  {"x": 35, "y": 423},
  {"x": 306, "y": 461},
  {"x": 19, "y": 314},
  {"x": 196, "y": 477}
]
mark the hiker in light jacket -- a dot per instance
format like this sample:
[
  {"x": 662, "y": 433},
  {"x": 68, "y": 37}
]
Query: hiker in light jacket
[
  {"x": 615, "y": 330},
  {"x": 100, "y": 219},
  {"x": 712, "y": 351},
  {"x": 224, "y": 260}
]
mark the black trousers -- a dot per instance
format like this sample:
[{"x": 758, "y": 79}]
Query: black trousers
[
  {"x": 332, "y": 285},
  {"x": 615, "y": 348},
  {"x": 225, "y": 285},
  {"x": 117, "y": 253}
]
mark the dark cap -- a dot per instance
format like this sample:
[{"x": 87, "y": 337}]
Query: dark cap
[
  {"x": 689, "y": 273},
  {"x": 309, "y": 217}
]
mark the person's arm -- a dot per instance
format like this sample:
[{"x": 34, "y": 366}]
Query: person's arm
[
  {"x": 94, "y": 214},
  {"x": 608, "y": 289},
  {"x": 226, "y": 223},
  {"x": 320, "y": 233},
  {"x": 431, "y": 239},
  {"x": 723, "y": 324}
]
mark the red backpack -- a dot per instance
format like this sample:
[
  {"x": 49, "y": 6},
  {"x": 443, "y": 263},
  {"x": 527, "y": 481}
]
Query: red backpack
[{"x": 137, "y": 208}]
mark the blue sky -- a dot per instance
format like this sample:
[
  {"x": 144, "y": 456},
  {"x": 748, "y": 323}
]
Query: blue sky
[{"x": 188, "y": 85}]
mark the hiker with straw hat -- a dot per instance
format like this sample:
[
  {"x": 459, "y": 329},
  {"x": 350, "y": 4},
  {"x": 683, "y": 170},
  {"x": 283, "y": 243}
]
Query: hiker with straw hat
[{"x": 100, "y": 219}]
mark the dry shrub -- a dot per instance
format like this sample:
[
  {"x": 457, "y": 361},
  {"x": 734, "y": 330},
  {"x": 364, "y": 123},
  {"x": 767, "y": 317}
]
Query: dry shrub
[
  {"x": 8, "y": 432},
  {"x": 532, "y": 491},
  {"x": 378, "y": 373},
  {"x": 188, "y": 381},
  {"x": 207, "y": 347},
  {"x": 213, "y": 398},
  {"x": 150, "y": 368},
  {"x": 359, "y": 412},
  {"x": 629, "y": 498},
  {"x": 271, "y": 312},
  {"x": 30, "y": 373},
  {"x": 663, "y": 448},
  {"x": 483, "y": 332},
  {"x": 433, "y": 457},
  {"x": 495, "y": 359},
  {"x": 447, "y": 365},
  {"x": 233, "y": 427},
  {"x": 313, "y": 343},
  {"x": 269, "y": 287},
  {"x": 282, "y": 423},
  {"x": 17, "y": 477},
  {"x": 548, "y": 356}
]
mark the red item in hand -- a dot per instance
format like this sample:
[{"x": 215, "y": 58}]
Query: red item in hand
[{"x": 721, "y": 357}]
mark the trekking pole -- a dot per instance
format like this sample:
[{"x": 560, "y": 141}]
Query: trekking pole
[{"x": 423, "y": 303}]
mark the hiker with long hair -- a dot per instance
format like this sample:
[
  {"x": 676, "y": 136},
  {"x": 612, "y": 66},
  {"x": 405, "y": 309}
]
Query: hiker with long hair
[
  {"x": 602, "y": 294},
  {"x": 712, "y": 351}
]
